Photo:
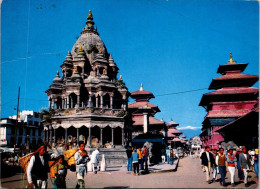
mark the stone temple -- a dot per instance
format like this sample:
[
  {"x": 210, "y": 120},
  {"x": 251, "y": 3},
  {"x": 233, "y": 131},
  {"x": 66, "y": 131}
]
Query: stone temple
[{"x": 88, "y": 102}]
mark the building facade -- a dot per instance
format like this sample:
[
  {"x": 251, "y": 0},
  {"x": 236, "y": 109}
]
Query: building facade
[
  {"x": 29, "y": 129},
  {"x": 233, "y": 98}
]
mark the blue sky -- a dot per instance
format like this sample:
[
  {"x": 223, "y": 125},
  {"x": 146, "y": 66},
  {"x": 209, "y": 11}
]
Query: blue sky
[{"x": 170, "y": 46}]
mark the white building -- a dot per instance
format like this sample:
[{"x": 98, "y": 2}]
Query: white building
[{"x": 29, "y": 129}]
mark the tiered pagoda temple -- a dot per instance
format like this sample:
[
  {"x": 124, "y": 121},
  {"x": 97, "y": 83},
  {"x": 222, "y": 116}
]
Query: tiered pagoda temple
[
  {"x": 88, "y": 102},
  {"x": 172, "y": 133},
  {"x": 143, "y": 112},
  {"x": 233, "y": 98}
]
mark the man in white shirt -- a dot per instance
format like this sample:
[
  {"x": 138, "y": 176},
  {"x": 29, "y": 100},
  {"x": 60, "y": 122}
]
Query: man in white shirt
[
  {"x": 244, "y": 162},
  {"x": 38, "y": 168},
  {"x": 81, "y": 158},
  {"x": 208, "y": 161}
]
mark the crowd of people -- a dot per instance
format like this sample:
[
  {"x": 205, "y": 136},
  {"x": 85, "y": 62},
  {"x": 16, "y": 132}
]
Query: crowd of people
[
  {"x": 137, "y": 159},
  {"x": 219, "y": 161},
  {"x": 39, "y": 167}
]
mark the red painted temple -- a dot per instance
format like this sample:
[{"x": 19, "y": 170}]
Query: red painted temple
[
  {"x": 143, "y": 113},
  {"x": 233, "y": 98}
]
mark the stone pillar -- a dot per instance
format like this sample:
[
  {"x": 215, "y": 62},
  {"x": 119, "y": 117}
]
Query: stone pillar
[
  {"x": 89, "y": 101},
  {"x": 78, "y": 100},
  {"x": 123, "y": 136},
  {"x": 52, "y": 104},
  {"x": 101, "y": 101},
  {"x": 49, "y": 104},
  {"x": 111, "y": 102},
  {"x": 66, "y": 135},
  {"x": 97, "y": 102},
  {"x": 145, "y": 122},
  {"x": 113, "y": 145},
  {"x": 101, "y": 137},
  {"x": 77, "y": 136},
  {"x": 89, "y": 137},
  {"x": 68, "y": 102}
]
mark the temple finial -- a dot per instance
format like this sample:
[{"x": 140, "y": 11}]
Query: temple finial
[
  {"x": 76, "y": 70},
  {"x": 58, "y": 73},
  {"x": 141, "y": 88},
  {"x": 90, "y": 17},
  {"x": 80, "y": 49},
  {"x": 231, "y": 61}
]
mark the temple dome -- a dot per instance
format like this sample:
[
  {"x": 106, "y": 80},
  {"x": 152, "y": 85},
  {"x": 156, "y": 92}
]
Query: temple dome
[{"x": 90, "y": 42}]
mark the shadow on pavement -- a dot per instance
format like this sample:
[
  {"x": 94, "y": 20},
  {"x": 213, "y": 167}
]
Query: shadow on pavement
[{"x": 116, "y": 187}]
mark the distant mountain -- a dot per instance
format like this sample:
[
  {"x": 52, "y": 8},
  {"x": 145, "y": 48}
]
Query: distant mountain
[{"x": 191, "y": 133}]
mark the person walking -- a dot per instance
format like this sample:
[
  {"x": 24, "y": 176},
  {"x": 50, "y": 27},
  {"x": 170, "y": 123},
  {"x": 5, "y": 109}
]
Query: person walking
[
  {"x": 81, "y": 158},
  {"x": 94, "y": 160},
  {"x": 215, "y": 173},
  {"x": 168, "y": 155},
  {"x": 207, "y": 160},
  {"x": 135, "y": 158},
  {"x": 244, "y": 162},
  {"x": 171, "y": 157},
  {"x": 129, "y": 158},
  {"x": 240, "y": 173},
  {"x": 255, "y": 158},
  {"x": 140, "y": 158},
  {"x": 221, "y": 163},
  {"x": 231, "y": 162},
  {"x": 60, "y": 172},
  {"x": 38, "y": 168},
  {"x": 145, "y": 158}
]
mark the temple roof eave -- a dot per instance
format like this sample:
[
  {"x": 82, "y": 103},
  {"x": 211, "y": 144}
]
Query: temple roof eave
[{"x": 232, "y": 67}]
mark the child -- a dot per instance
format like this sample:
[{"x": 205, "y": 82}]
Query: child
[{"x": 60, "y": 171}]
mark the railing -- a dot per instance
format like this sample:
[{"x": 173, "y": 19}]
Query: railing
[{"x": 114, "y": 112}]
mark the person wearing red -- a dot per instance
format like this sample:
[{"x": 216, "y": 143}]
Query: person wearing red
[
  {"x": 145, "y": 154},
  {"x": 231, "y": 162}
]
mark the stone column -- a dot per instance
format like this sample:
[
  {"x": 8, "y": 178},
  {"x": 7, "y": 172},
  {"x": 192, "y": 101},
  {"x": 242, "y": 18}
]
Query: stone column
[
  {"x": 123, "y": 137},
  {"x": 111, "y": 102},
  {"x": 77, "y": 136},
  {"x": 101, "y": 137},
  {"x": 66, "y": 135},
  {"x": 68, "y": 102},
  {"x": 113, "y": 145},
  {"x": 101, "y": 101},
  {"x": 97, "y": 102},
  {"x": 49, "y": 104},
  {"x": 145, "y": 122},
  {"x": 78, "y": 100},
  {"x": 89, "y": 102},
  {"x": 89, "y": 137},
  {"x": 52, "y": 103}
]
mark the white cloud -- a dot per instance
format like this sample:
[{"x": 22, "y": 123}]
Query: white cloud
[{"x": 188, "y": 128}]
